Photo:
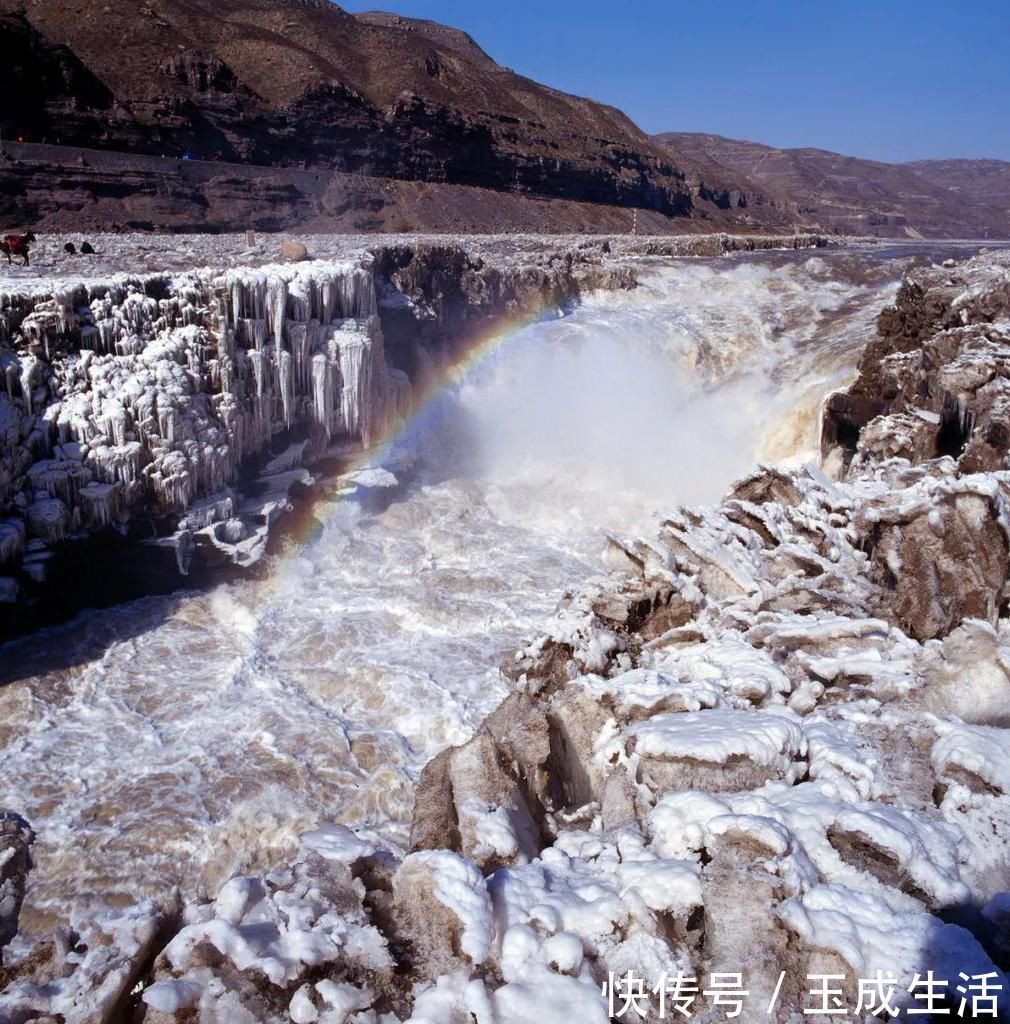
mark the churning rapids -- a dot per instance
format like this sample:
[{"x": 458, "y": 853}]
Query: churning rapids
[{"x": 180, "y": 740}]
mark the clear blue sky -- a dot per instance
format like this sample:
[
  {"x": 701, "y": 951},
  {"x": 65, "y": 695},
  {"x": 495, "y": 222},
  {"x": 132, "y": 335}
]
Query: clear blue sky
[{"x": 890, "y": 79}]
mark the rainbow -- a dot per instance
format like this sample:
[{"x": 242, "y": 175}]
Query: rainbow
[{"x": 478, "y": 350}]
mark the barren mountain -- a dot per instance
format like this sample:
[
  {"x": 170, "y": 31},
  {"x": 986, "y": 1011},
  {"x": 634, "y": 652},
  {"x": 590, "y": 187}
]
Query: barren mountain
[
  {"x": 984, "y": 180},
  {"x": 440, "y": 35},
  {"x": 302, "y": 83},
  {"x": 853, "y": 196},
  {"x": 225, "y": 114}
]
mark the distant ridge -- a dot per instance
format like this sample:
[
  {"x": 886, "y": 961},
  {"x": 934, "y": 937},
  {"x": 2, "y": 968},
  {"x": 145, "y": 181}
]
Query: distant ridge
[
  {"x": 440, "y": 35},
  {"x": 849, "y": 195},
  {"x": 979, "y": 179}
]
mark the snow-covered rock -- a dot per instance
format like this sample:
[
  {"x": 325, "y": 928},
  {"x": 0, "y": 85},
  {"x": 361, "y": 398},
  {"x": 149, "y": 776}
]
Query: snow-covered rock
[{"x": 16, "y": 838}]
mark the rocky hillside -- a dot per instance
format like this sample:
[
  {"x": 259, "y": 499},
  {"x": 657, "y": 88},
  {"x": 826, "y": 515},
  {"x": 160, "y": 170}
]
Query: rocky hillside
[
  {"x": 847, "y": 195},
  {"x": 988, "y": 180},
  {"x": 278, "y": 114},
  {"x": 303, "y": 84}
]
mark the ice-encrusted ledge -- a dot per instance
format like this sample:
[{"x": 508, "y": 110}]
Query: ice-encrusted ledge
[{"x": 139, "y": 399}]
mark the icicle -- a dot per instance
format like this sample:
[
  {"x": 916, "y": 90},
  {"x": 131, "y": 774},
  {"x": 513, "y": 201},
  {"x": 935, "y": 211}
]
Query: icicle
[
  {"x": 64, "y": 299},
  {"x": 120, "y": 464},
  {"x": 169, "y": 425},
  {"x": 11, "y": 366},
  {"x": 29, "y": 367},
  {"x": 12, "y": 540},
  {"x": 48, "y": 519},
  {"x": 357, "y": 294},
  {"x": 303, "y": 340},
  {"x": 179, "y": 378},
  {"x": 277, "y": 299},
  {"x": 91, "y": 337},
  {"x": 57, "y": 479},
  {"x": 286, "y": 382},
  {"x": 227, "y": 371},
  {"x": 115, "y": 421},
  {"x": 108, "y": 335},
  {"x": 237, "y": 307},
  {"x": 226, "y": 342},
  {"x": 351, "y": 348},
  {"x": 100, "y": 504},
  {"x": 328, "y": 296},
  {"x": 322, "y": 391},
  {"x": 171, "y": 479},
  {"x": 256, "y": 359}
]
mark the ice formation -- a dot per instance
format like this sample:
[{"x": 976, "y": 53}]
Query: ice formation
[
  {"x": 143, "y": 403},
  {"x": 771, "y": 743},
  {"x": 143, "y": 395}
]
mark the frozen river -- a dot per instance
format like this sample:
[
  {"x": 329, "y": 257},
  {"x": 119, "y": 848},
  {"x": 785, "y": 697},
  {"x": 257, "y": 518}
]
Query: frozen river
[{"x": 180, "y": 740}]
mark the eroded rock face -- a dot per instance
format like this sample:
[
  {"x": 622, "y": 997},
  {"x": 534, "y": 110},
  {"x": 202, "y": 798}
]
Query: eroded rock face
[
  {"x": 933, "y": 388},
  {"x": 933, "y": 382},
  {"x": 16, "y": 838},
  {"x": 944, "y": 555}
]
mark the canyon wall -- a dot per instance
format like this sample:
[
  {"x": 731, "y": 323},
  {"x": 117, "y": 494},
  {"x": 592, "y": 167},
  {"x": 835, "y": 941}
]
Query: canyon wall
[
  {"x": 364, "y": 104},
  {"x": 60, "y": 188}
]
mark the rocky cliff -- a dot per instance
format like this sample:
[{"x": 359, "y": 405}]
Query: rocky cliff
[
  {"x": 772, "y": 743},
  {"x": 275, "y": 83}
]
